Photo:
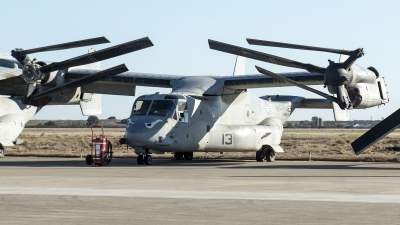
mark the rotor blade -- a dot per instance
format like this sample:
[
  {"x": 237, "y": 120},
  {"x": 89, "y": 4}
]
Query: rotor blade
[
  {"x": 74, "y": 44},
  {"x": 343, "y": 97},
  {"x": 300, "y": 85},
  {"x": 293, "y": 46},
  {"x": 353, "y": 57},
  {"x": 376, "y": 133},
  {"x": 83, "y": 81},
  {"x": 99, "y": 55},
  {"x": 236, "y": 50}
]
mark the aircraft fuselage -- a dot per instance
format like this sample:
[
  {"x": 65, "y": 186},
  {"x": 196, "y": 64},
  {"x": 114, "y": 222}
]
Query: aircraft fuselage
[{"x": 228, "y": 123}]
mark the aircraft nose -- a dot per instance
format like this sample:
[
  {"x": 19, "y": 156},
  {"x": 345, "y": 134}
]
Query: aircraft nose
[
  {"x": 146, "y": 133},
  {"x": 135, "y": 134}
]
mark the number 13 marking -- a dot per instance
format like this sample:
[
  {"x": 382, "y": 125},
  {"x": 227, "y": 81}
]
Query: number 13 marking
[{"x": 227, "y": 139}]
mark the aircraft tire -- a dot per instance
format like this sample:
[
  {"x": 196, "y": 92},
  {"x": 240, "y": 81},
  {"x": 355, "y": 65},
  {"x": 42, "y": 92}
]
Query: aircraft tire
[
  {"x": 178, "y": 155},
  {"x": 270, "y": 155},
  {"x": 148, "y": 160},
  {"x": 188, "y": 155},
  {"x": 140, "y": 160},
  {"x": 2, "y": 152},
  {"x": 260, "y": 156}
]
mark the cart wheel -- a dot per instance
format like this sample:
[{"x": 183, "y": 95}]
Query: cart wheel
[
  {"x": 103, "y": 160},
  {"x": 89, "y": 160},
  {"x": 110, "y": 152}
]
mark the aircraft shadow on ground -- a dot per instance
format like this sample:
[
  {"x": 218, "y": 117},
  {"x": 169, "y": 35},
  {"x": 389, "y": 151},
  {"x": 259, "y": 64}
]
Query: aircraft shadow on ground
[
  {"x": 120, "y": 162},
  {"x": 220, "y": 163}
]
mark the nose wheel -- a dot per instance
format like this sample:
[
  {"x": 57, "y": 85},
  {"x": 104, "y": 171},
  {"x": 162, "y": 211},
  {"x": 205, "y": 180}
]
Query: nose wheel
[{"x": 144, "y": 159}]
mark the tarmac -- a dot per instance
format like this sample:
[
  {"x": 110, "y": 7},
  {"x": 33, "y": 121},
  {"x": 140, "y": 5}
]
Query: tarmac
[{"x": 41, "y": 190}]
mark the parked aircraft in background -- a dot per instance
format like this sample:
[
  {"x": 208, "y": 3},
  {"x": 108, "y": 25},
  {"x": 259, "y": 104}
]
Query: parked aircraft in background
[{"x": 28, "y": 85}]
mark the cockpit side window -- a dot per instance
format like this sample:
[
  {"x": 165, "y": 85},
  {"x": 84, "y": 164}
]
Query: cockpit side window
[
  {"x": 140, "y": 107},
  {"x": 164, "y": 108},
  {"x": 181, "y": 106}
]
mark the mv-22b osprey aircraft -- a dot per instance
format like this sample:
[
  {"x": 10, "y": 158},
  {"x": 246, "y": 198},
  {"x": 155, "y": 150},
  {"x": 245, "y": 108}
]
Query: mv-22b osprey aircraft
[
  {"x": 28, "y": 85},
  {"x": 218, "y": 114}
]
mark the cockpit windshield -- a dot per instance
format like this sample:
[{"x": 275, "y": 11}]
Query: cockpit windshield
[
  {"x": 164, "y": 108},
  {"x": 141, "y": 107}
]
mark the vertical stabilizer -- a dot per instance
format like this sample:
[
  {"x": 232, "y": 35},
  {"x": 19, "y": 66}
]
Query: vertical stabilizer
[
  {"x": 91, "y": 104},
  {"x": 340, "y": 114},
  {"x": 240, "y": 66},
  {"x": 343, "y": 58},
  {"x": 93, "y": 66}
]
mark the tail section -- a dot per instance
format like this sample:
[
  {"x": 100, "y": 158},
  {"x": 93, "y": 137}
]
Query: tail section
[
  {"x": 240, "y": 66},
  {"x": 91, "y": 104},
  {"x": 93, "y": 66},
  {"x": 340, "y": 114}
]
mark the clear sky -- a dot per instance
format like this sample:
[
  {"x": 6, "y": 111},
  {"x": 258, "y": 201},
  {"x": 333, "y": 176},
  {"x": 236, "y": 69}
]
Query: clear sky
[{"x": 180, "y": 29}]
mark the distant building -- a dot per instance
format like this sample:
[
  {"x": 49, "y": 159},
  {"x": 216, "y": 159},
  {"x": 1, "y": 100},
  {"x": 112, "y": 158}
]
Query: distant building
[{"x": 317, "y": 121}]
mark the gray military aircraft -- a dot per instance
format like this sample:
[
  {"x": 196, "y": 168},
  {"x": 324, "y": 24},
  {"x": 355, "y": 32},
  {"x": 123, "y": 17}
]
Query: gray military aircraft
[
  {"x": 218, "y": 114},
  {"x": 28, "y": 85}
]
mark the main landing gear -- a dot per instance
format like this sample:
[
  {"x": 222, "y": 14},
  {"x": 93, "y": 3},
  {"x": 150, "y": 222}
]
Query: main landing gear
[
  {"x": 183, "y": 155},
  {"x": 265, "y": 153}
]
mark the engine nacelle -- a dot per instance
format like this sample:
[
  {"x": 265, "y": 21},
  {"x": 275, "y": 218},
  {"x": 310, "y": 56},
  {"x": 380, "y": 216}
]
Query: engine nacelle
[
  {"x": 366, "y": 95},
  {"x": 361, "y": 75}
]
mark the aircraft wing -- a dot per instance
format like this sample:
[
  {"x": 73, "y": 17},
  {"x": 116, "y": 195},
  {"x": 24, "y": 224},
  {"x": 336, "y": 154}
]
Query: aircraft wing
[
  {"x": 122, "y": 84},
  {"x": 262, "y": 81},
  {"x": 125, "y": 83}
]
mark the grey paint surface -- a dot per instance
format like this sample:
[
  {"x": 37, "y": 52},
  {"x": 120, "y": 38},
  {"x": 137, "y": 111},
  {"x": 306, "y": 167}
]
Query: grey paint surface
[{"x": 67, "y": 192}]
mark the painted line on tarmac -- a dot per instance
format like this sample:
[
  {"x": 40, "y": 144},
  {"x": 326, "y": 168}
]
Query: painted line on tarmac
[{"x": 326, "y": 197}]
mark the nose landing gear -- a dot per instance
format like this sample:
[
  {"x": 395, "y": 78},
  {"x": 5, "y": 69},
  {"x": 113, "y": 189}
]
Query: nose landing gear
[{"x": 144, "y": 159}]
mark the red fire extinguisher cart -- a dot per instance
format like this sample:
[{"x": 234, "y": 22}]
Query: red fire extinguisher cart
[{"x": 101, "y": 151}]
